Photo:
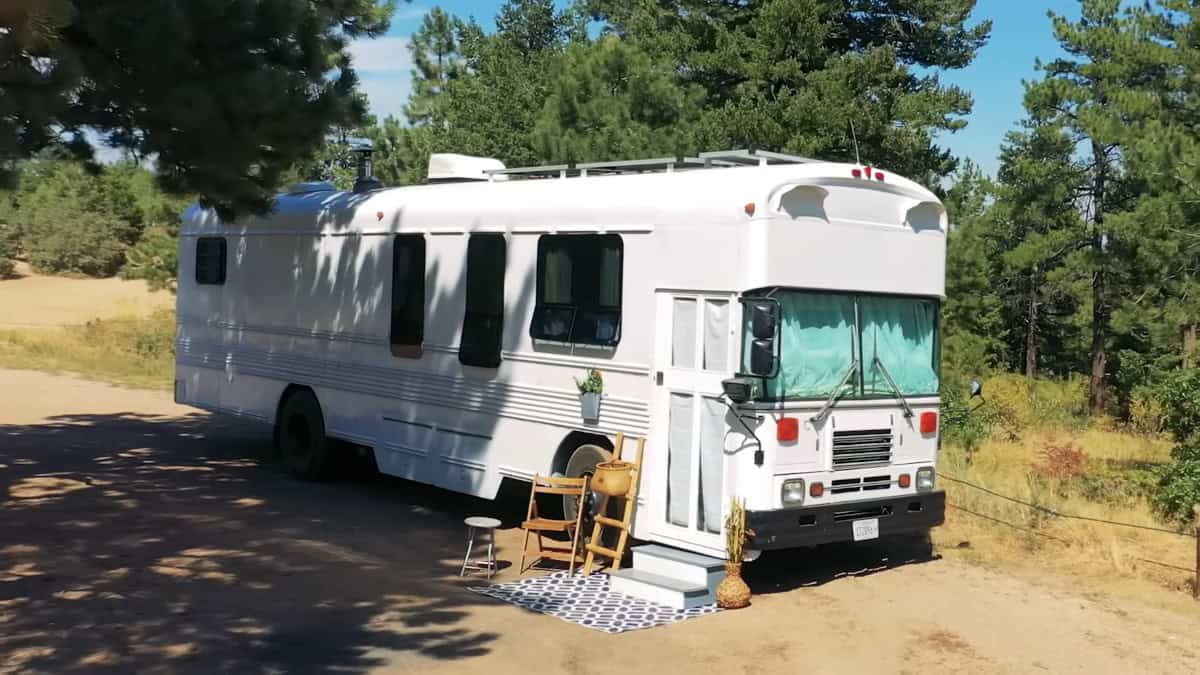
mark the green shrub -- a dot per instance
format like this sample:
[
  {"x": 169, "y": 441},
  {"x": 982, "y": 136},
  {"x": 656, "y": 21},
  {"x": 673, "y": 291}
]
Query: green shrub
[
  {"x": 1147, "y": 413},
  {"x": 1021, "y": 404},
  {"x": 1179, "y": 396},
  {"x": 75, "y": 221},
  {"x": 154, "y": 258},
  {"x": 1178, "y": 490},
  {"x": 963, "y": 420},
  {"x": 8, "y": 249}
]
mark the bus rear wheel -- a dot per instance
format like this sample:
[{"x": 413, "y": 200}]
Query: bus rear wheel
[{"x": 300, "y": 436}]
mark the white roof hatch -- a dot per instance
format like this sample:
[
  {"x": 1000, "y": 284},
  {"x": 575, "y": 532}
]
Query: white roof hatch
[{"x": 445, "y": 166}]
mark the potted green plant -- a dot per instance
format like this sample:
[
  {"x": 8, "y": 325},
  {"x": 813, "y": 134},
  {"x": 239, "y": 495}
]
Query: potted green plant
[
  {"x": 590, "y": 389},
  {"x": 733, "y": 592}
]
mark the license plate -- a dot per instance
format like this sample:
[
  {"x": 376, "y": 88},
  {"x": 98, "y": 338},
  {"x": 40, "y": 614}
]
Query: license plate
[{"x": 865, "y": 529}]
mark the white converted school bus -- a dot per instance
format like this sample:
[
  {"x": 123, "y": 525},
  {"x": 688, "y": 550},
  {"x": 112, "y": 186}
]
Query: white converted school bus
[{"x": 442, "y": 326}]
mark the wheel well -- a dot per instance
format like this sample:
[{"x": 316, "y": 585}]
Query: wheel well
[
  {"x": 287, "y": 393},
  {"x": 574, "y": 440}
]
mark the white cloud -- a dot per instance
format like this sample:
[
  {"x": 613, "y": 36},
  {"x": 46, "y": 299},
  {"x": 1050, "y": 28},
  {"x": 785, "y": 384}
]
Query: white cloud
[
  {"x": 381, "y": 55},
  {"x": 387, "y": 94},
  {"x": 405, "y": 12},
  {"x": 384, "y": 66}
]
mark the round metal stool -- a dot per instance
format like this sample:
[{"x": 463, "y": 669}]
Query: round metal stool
[{"x": 477, "y": 524}]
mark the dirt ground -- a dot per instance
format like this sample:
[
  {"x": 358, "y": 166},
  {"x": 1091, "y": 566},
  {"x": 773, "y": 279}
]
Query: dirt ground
[
  {"x": 141, "y": 536},
  {"x": 36, "y": 301}
]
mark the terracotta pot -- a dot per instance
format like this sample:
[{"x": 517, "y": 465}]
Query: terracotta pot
[
  {"x": 613, "y": 478},
  {"x": 732, "y": 592}
]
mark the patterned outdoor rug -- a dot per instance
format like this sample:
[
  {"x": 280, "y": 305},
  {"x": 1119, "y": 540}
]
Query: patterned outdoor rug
[{"x": 588, "y": 602}]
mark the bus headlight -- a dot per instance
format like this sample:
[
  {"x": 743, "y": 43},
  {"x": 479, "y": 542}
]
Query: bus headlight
[
  {"x": 792, "y": 492},
  {"x": 925, "y": 479}
]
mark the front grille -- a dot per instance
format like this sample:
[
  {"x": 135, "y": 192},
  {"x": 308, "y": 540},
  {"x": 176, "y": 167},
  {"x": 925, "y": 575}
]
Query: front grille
[
  {"x": 861, "y": 448},
  {"x": 855, "y": 514},
  {"x": 844, "y": 485}
]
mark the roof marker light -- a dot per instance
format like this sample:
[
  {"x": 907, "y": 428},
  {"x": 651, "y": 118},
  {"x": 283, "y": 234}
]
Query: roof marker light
[
  {"x": 379, "y": 215},
  {"x": 878, "y": 176},
  {"x": 856, "y": 173},
  {"x": 867, "y": 171},
  {"x": 749, "y": 208}
]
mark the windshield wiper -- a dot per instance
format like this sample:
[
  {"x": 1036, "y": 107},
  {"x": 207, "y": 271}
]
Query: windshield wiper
[
  {"x": 908, "y": 413},
  {"x": 833, "y": 395}
]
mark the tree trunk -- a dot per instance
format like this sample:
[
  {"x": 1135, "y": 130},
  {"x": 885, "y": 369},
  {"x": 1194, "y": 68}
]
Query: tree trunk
[
  {"x": 1189, "y": 344},
  {"x": 1096, "y": 389},
  {"x": 1031, "y": 332}
]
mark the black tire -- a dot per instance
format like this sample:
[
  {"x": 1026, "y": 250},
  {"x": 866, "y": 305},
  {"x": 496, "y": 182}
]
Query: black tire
[
  {"x": 583, "y": 462},
  {"x": 300, "y": 437}
]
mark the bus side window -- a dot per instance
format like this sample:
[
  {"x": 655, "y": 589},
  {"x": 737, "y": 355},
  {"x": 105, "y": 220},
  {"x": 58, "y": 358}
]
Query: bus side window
[
  {"x": 578, "y": 289},
  {"x": 408, "y": 295},
  {"x": 210, "y": 260},
  {"x": 483, "y": 322}
]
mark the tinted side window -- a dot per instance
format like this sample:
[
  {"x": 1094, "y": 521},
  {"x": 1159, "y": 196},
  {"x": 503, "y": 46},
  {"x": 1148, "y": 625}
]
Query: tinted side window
[
  {"x": 408, "y": 295},
  {"x": 483, "y": 323},
  {"x": 578, "y": 289},
  {"x": 210, "y": 260}
]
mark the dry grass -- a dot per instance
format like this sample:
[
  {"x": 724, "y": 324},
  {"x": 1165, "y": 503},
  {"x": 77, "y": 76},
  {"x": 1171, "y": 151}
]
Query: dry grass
[
  {"x": 1103, "y": 557},
  {"x": 40, "y": 301},
  {"x": 131, "y": 350}
]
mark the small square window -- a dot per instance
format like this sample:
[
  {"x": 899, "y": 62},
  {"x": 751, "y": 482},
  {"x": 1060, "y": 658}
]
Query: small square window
[{"x": 210, "y": 260}]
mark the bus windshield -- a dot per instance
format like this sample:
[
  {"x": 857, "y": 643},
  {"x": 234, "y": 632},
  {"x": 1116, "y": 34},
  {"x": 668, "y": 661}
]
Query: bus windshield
[{"x": 822, "y": 335}]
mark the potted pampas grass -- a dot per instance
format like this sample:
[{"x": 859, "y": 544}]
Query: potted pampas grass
[{"x": 733, "y": 592}]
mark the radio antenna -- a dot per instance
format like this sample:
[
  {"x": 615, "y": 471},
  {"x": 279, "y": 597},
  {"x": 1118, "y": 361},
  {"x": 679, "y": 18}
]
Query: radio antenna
[{"x": 854, "y": 138}]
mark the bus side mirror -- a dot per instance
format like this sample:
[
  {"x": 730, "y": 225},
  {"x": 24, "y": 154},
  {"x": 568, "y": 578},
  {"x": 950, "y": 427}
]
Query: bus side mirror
[
  {"x": 762, "y": 358},
  {"x": 763, "y": 317},
  {"x": 738, "y": 389}
]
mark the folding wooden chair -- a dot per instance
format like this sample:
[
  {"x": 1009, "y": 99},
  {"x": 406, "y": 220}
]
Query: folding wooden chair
[{"x": 535, "y": 524}]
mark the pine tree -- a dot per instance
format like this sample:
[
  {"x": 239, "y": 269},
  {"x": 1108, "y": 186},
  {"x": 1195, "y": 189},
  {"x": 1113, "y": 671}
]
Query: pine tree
[
  {"x": 1037, "y": 230},
  {"x": 436, "y": 62},
  {"x": 224, "y": 94},
  {"x": 1094, "y": 94},
  {"x": 973, "y": 326},
  {"x": 611, "y": 101},
  {"x": 811, "y": 77}
]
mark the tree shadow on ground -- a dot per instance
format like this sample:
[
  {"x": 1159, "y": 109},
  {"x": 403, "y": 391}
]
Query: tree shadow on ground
[
  {"x": 133, "y": 543},
  {"x": 782, "y": 571}
]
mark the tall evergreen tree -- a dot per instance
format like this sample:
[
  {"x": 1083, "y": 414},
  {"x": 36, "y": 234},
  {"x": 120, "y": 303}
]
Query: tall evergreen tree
[
  {"x": 437, "y": 61},
  {"x": 1037, "y": 230},
  {"x": 973, "y": 326},
  {"x": 610, "y": 100},
  {"x": 797, "y": 76},
  {"x": 1110, "y": 61}
]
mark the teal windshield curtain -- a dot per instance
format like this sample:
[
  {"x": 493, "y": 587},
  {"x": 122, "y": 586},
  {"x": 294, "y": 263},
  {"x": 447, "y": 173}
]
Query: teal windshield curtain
[
  {"x": 900, "y": 332},
  {"x": 817, "y": 336}
]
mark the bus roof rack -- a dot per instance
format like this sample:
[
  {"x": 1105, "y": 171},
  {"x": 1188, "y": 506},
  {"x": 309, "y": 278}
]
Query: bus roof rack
[
  {"x": 759, "y": 157},
  {"x": 705, "y": 160}
]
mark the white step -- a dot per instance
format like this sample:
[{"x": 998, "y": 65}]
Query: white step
[
  {"x": 693, "y": 568},
  {"x": 659, "y": 589}
]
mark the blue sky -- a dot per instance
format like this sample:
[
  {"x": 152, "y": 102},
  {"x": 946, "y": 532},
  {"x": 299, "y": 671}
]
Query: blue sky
[{"x": 1020, "y": 34}]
